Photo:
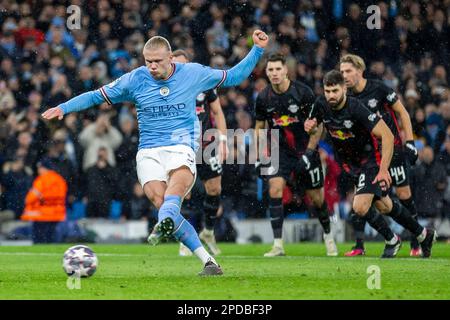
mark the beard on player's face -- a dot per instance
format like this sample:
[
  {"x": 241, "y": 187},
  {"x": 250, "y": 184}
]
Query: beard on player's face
[{"x": 335, "y": 100}]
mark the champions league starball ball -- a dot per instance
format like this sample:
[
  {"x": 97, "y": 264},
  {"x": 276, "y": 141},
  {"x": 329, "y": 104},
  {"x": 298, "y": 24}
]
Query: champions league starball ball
[{"x": 80, "y": 261}]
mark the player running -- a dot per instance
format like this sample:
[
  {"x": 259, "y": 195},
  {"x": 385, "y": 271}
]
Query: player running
[
  {"x": 354, "y": 132},
  {"x": 381, "y": 99},
  {"x": 164, "y": 94},
  {"x": 285, "y": 105},
  {"x": 210, "y": 170}
]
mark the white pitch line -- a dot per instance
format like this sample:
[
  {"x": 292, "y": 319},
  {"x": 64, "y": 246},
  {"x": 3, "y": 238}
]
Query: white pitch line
[
  {"x": 358, "y": 259},
  {"x": 60, "y": 254}
]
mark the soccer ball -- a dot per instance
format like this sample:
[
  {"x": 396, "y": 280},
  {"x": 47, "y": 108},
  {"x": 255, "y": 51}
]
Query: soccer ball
[{"x": 80, "y": 260}]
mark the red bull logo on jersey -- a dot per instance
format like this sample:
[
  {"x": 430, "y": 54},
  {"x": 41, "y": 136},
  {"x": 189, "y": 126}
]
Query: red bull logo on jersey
[
  {"x": 199, "y": 109},
  {"x": 341, "y": 135},
  {"x": 284, "y": 121}
]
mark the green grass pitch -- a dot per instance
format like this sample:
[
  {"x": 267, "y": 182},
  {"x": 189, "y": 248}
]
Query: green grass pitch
[{"x": 145, "y": 272}]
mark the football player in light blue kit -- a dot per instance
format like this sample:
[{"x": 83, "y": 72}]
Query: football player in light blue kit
[{"x": 164, "y": 94}]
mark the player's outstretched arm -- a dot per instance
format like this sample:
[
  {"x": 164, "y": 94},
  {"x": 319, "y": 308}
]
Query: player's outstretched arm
[
  {"x": 243, "y": 69},
  {"x": 78, "y": 103},
  {"x": 115, "y": 92}
]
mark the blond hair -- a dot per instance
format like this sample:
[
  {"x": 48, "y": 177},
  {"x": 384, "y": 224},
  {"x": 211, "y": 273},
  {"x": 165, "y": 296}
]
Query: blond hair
[
  {"x": 181, "y": 52},
  {"x": 157, "y": 42},
  {"x": 355, "y": 60}
]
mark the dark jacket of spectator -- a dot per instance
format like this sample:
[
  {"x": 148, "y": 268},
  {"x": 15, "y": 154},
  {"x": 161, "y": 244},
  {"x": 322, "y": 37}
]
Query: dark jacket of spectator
[
  {"x": 429, "y": 180},
  {"x": 101, "y": 184}
]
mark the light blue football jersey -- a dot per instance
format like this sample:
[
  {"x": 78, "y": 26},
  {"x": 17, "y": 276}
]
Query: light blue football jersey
[{"x": 166, "y": 108}]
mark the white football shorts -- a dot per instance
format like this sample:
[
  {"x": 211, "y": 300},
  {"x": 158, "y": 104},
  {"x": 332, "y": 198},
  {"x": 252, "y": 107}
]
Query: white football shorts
[{"x": 156, "y": 163}]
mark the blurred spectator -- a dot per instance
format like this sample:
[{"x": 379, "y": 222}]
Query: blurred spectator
[
  {"x": 7, "y": 100},
  {"x": 60, "y": 91},
  {"x": 100, "y": 186},
  {"x": 85, "y": 81},
  {"x": 27, "y": 31},
  {"x": 57, "y": 154},
  {"x": 99, "y": 134},
  {"x": 22, "y": 146},
  {"x": 126, "y": 162},
  {"x": 429, "y": 180},
  {"x": 444, "y": 109},
  {"x": 444, "y": 158},
  {"x": 16, "y": 180},
  {"x": 435, "y": 133},
  {"x": 140, "y": 208},
  {"x": 45, "y": 203}
]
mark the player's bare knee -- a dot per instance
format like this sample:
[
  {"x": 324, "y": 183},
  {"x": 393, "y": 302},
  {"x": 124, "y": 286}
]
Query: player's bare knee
[
  {"x": 382, "y": 207},
  {"x": 275, "y": 192},
  {"x": 213, "y": 188},
  {"x": 360, "y": 209},
  {"x": 214, "y": 191},
  {"x": 316, "y": 198},
  {"x": 404, "y": 193}
]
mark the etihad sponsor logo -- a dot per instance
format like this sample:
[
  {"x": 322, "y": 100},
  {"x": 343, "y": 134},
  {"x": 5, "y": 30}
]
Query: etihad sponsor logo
[
  {"x": 171, "y": 110},
  {"x": 284, "y": 121},
  {"x": 166, "y": 108},
  {"x": 341, "y": 135}
]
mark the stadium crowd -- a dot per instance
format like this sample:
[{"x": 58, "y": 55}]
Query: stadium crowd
[{"x": 44, "y": 63}]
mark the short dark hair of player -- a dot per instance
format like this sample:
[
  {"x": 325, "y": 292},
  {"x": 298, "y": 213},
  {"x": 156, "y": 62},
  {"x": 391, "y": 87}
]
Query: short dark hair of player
[
  {"x": 276, "y": 57},
  {"x": 333, "y": 78},
  {"x": 181, "y": 52}
]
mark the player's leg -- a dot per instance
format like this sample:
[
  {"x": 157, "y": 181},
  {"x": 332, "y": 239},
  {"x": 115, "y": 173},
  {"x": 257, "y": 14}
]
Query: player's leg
[
  {"x": 276, "y": 187},
  {"x": 183, "y": 250},
  {"x": 400, "y": 214},
  {"x": 213, "y": 188},
  {"x": 399, "y": 171},
  {"x": 153, "y": 177},
  {"x": 406, "y": 199},
  {"x": 321, "y": 208},
  {"x": 180, "y": 182},
  {"x": 154, "y": 190},
  {"x": 361, "y": 206},
  {"x": 366, "y": 192},
  {"x": 358, "y": 223}
]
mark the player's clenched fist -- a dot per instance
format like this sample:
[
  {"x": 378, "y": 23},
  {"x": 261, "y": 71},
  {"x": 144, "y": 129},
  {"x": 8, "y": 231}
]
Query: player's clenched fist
[
  {"x": 260, "y": 38},
  {"x": 310, "y": 125},
  {"x": 53, "y": 113}
]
